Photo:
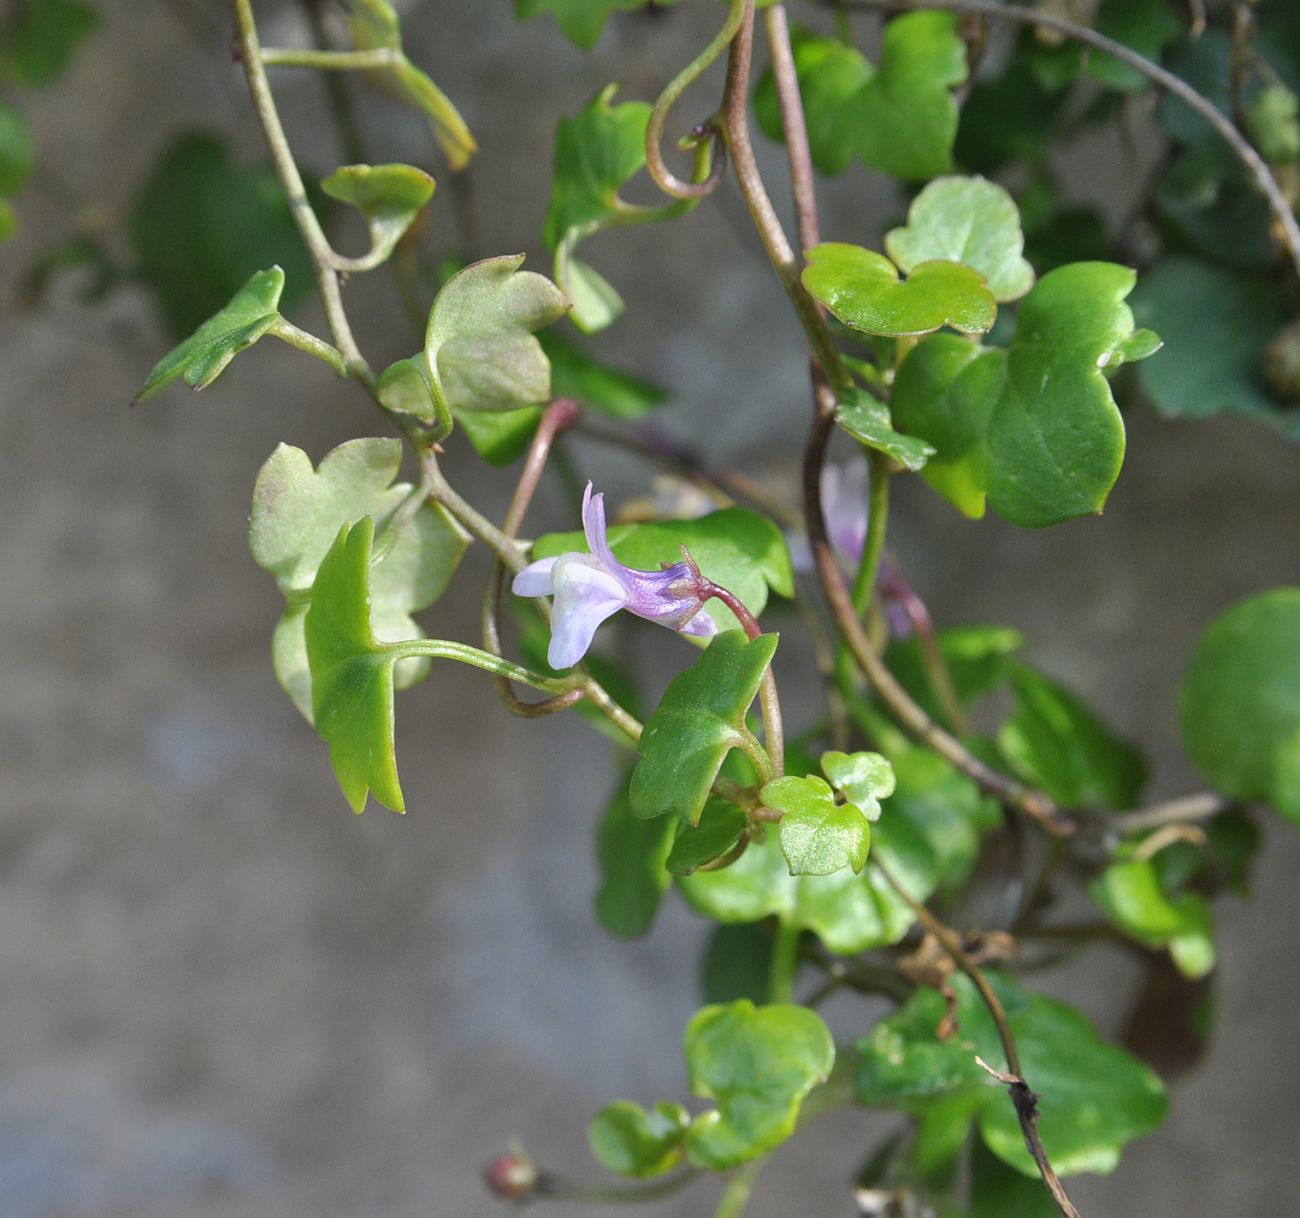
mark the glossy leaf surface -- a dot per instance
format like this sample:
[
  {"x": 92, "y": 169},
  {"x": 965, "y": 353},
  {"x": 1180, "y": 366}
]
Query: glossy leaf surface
[
  {"x": 867, "y": 420},
  {"x": 1239, "y": 705},
  {"x": 758, "y": 1064},
  {"x": 863, "y": 778},
  {"x": 697, "y": 723},
  {"x": 721, "y": 826},
  {"x": 818, "y": 835},
  {"x": 629, "y": 1140}
]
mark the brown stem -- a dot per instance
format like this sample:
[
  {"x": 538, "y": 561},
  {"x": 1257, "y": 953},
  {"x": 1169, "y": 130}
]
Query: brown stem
[
  {"x": 1241, "y": 146},
  {"x": 1024, "y": 1099},
  {"x": 1187, "y": 810},
  {"x": 794, "y": 126}
]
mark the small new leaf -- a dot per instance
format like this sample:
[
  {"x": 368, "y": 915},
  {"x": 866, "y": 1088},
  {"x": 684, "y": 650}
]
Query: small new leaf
[
  {"x": 479, "y": 345},
  {"x": 863, "y": 778},
  {"x": 721, "y": 826},
  {"x": 862, "y": 289},
  {"x": 866, "y": 419},
  {"x": 818, "y": 835},
  {"x": 758, "y": 1063},
  {"x": 699, "y": 721},
  {"x": 202, "y": 357},
  {"x": 966, "y": 220},
  {"x": 389, "y": 196},
  {"x": 627, "y": 1139}
]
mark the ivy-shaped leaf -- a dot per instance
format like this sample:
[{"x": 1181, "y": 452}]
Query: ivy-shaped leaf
[
  {"x": 866, "y": 419},
  {"x": 374, "y": 26},
  {"x": 862, "y": 289},
  {"x": 42, "y": 38},
  {"x": 1239, "y": 705},
  {"x": 1132, "y": 898},
  {"x": 848, "y": 912},
  {"x": 631, "y": 854},
  {"x": 738, "y": 549},
  {"x": 909, "y": 113},
  {"x": 627, "y": 1139},
  {"x": 296, "y": 515},
  {"x": 389, "y": 196},
  {"x": 758, "y": 1064},
  {"x": 580, "y": 20},
  {"x": 818, "y": 835},
  {"x": 966, "y": 220},
  {"x": 596, "y": 152},
  {"x": 863, "y": 778},
  {"x": 700, "y": 719},
  {"x": 1093, "y": 1097},
  {"x": 1035, "y": 427},
  {"x": 480, "y": 348},
  {"x": 721, "y": 826},
  {"x": 1055, "y": 742},
  {"x": 201, "y": 358}
]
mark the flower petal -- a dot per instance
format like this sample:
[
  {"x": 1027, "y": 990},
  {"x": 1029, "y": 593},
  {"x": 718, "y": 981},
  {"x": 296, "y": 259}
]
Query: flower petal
[
  {"x": 585, "y": 595},
  {"x": 701, "y": 625},
  {"x": 593, "y": 525},
  {"x": 534, "y": 579}
]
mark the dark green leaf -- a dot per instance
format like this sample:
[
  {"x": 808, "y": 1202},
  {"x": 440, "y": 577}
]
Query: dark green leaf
[
  {"x": 1146, "y": 26},
  {"x": 15, "y": 149},
  {"x": 41, "y": 40},
  {"x": 201, "y": 225},
  {"x": 862, "y": 289},
  {"x": 628, "y": 1140},
  {"x": 737, "y": 963},
  {"x": 1006, "y": 118},
  {"x": 296, "y": 515},
  {"x": 698, "y": 722},
  {"x": 866, "y": 419},
  {"x": 1240, "y": 701},
  {"x": 721, "y": 826},
  {"x": 389, "y": 196},
  {"x": 1093, "y": 1098},
  {"x": 910, "y": 119},
  {"x": 975, "y": 657},
  {"x": 576, "y": 374},
  {"x": 631, "y": 854},
  {"x": 966, "y": 220},
  {"x": 1056, "y": 743},
  {"x": 500, "y": 436},
  {"x": 581, "y": 20},
  {"x": 1212, "y": 204},
  {"x": 758, "y": 1064},
  {"x": 1214, "y": 355},
  {"x": 374, "y": 24},
  {"x": 818, "y": 836},
  {"x": 1131, "y": 896},
  {"x": 996, "y": 1191},
  {"x": 480, "y": 347}
]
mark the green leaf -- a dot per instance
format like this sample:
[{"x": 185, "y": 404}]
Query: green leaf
[
  {"x": 758, "y": 1064},
  {"x": 975, "y": 656},
  {"x": 374, "y": 24},
  {"x": 576, "y": 374},
  {"x": 738, "y": 549},
  {"x": 818, "y": 835},
  {"x": 15, "y": 149},
  {"x": 631, "y": 853},
  {"x": 1274, "y": 124},
  {"x": 832, "y": 77},
  {"x": 202, "y": 357},
  {"x": 848, "y": 912},
  {"x": 909, "y": 113},
  {"x": 1213, "y": 356},
  {"x": 866, "y": 419},
  {"x": 1034, "y": 427},
  {"x": 40, "y": 41},
  {"x": 1239, "y": 705},
  {"x": 966, "y": 220},
  {"x": 1093, "y": 1098},
  {"x": 8, "y": 220},
  {"x": 1056, "y": 743},
  {"x": 721, "y": 826},
  {"x": 1147, "y": 26},
  {"x": 627, "y": 1139},
  {"x": 296, "y": 515},
  {"x": 581, "y": 20},
  {"x": 700, "y": 719},
  {"x": 737, "y": 963},
  {"x": 352, "y": 673},
  {"x": 403, "y": 387},
  {"x": 389, "y": 196},
  {"x": 862, "y": 778},
  {"x": 1211, "y": 203},
  {"x": 996, "y": 1191},
  {"x": 1132, "y": 898},
  {"x": 201, "y": 225},
  {"x": 481, "y": 351},
  {"x": 500, "y": 436},
  {"x": 1006, "y": 118},
  {"x": 862, "y": 289},
  {"x": 596, "y": 153}
]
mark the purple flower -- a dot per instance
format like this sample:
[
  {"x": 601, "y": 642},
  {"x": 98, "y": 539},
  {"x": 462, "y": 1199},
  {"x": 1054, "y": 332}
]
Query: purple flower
[{"x": 588, "y": 588}]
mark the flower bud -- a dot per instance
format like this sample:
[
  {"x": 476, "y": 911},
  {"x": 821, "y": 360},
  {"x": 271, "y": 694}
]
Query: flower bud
[{"x": 512, "y": 1176}]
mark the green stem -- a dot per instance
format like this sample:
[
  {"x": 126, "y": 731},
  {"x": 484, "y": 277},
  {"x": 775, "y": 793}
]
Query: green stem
[
  {"x": 287, "y": 332},
  {"x": 337, "y": 61},
  {"x": 864, "y": 585},
  {"x": 785, "y": 963},
  {"x": 748, "y": 743},
  {"x": 739, "y": 1187},
  {"x": 556, "y": 1188},
  {"x": 445, "y": 649}
]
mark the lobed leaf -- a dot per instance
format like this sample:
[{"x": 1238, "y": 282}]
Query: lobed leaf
[
  {"x": 389, "y": 196},
  {"x": 863, "y": 778},
  {"x": 866, "y": 419},
  {"x": 818, "y": 835},
  {"x": 627, "y": 1139}
]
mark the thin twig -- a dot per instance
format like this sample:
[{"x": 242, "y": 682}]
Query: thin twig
[
  {"x": 1024, "y": 1100},
  {"x": 1241, "y": 146},
  {"x": 1187, "y": 810}
]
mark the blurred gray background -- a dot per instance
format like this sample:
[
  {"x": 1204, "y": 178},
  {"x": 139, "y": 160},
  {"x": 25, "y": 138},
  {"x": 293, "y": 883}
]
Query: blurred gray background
[{"x": 221, "y": 994}]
